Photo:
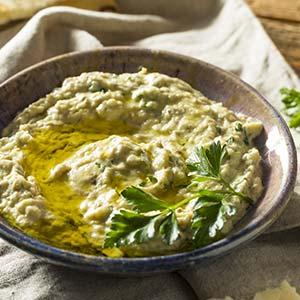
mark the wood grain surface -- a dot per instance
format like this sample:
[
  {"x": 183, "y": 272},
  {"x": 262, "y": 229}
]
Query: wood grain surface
[{"x": 281, "y": 19}]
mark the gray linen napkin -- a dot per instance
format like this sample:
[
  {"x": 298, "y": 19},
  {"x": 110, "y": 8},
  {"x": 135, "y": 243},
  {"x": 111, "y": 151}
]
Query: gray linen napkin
[{"x": 224, "y": 33}]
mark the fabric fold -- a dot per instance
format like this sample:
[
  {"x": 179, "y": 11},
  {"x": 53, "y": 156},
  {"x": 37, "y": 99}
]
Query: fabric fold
[{"x": 224, "y": 33}]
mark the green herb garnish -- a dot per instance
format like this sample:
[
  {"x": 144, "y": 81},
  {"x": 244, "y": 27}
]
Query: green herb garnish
[
  {"x": 142, "y": 201},
  {"x": 135, "y": 227},
  {"x": 206, "y": 163},
  {"x": 210, "y": 214},
  {"x": 152, "y": 217},
  {"x": 291, "y": 101}
]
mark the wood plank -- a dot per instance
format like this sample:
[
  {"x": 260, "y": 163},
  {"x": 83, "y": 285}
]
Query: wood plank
[
  {"x": 286, "y": 36},
  {"x": 277, "y": 9}
]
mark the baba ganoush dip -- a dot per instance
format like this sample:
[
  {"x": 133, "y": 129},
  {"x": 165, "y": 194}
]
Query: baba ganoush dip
[{"x": 128, "y": 165}]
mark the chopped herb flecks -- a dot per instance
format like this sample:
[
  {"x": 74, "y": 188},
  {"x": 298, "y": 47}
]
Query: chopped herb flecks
[
  {"x": 240, "y": 128},
  {"x": 96, "y": 87}
]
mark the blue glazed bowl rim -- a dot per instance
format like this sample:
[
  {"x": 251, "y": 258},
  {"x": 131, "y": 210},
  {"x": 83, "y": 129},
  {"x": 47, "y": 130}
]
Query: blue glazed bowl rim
[{"x": 156, "y": 264}]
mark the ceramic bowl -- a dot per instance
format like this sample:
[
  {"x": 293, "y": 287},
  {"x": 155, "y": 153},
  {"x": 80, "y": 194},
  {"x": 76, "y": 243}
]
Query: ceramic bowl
[{"x": 275, "y": 144}]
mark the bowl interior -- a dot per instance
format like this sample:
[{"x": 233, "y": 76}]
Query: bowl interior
[{"x": 275, "y": 143}]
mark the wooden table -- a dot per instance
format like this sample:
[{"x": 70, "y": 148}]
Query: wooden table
[{"x": 281, "y": 20}]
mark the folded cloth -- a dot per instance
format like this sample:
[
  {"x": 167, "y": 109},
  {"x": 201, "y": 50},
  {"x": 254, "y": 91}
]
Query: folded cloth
[
  {"x": 224, "y": 33},
  {"x": 12, "y": 10}
]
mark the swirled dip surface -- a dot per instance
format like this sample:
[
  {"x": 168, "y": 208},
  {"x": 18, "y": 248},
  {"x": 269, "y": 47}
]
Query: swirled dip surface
[{"x": 65, "y": 158}]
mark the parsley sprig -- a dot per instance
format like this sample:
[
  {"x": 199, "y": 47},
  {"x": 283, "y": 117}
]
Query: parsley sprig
[
  {"x": 206, "y": 164},
  {"x": 151, "y": 217},
  {"x": 210, "y": 213},
  {"x": 129, "y": 227},
  {"x": 291, "y": 101}
]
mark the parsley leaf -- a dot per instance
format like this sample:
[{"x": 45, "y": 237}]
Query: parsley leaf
[
  {"x": 209, "y": 218},
  {"x": 128, "y": 227},
  {"x": 133, "y": 226},
  {"x": 291, "y": 101},
  {"x": 209, "y": 195},
  {"x": 207, "y": 161},
  {"x": 142, "y": 201},
  {"x": 169, "y": 229}
]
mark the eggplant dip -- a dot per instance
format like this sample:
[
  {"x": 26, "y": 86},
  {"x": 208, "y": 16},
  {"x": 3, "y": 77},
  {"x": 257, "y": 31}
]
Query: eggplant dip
[{"x": 128, "y": 165}]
